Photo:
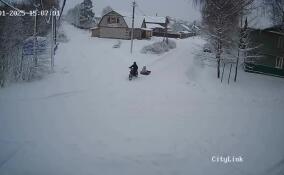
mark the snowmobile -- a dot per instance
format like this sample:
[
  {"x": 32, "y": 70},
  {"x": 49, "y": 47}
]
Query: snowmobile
[{"x": 132, "y": 74}]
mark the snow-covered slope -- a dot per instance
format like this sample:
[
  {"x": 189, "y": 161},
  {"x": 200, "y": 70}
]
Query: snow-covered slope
[{"x": 87, "y": 118}]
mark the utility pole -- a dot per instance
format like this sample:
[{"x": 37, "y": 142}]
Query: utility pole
[
  {"x": 166, "y": 31},
  {"x": 132, "y": 30},
  {"x": 52, "y": 41},
  {"x": 55, "y": 32},
  {"x": 35, "y": 37},
  {"x": 167, "y": 37}
]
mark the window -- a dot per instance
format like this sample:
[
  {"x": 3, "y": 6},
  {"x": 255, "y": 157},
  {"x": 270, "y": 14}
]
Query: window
[
  {"x": 279, "y": 62},
  {"x": 112, "y": 19},
  {"x": 280, "y": 43}
]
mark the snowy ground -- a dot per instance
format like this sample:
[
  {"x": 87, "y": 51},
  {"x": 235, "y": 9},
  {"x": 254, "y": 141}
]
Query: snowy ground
[{"x": 88, "y": 119}]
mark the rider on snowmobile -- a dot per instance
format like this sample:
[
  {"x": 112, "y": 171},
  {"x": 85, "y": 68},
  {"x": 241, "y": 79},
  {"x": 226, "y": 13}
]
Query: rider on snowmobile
[{"x": 134, "y": 69}]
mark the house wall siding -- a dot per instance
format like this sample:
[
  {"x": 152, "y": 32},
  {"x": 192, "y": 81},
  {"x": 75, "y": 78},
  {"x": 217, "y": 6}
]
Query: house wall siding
[
  {"x": 137, "y": 34},
  {"x": 269, "y": 50},
  {"x": 119, "y": 33},
  {"x": 95, "y": 32},
  {"x": 267, "y": 43},
  {"x": 119, "y": 30}
]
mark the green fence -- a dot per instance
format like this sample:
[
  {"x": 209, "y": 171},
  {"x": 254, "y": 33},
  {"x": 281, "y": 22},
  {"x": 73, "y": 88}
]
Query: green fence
[{"x": 261, "y": 69}]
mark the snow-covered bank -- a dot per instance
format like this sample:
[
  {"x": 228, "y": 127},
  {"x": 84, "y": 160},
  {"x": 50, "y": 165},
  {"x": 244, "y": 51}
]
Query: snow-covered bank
[{"x": 87, "y": 118}]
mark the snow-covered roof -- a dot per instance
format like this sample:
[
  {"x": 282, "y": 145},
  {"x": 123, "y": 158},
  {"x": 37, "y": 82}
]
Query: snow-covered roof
[
  {"x": 260, "y": 23},
  {"x": 152, "y": 26},
  {"x": 155, "y": 19},
  {"x": 185, "y": 26},
  {"x": 128, "y": 19},
  {"x": 196, "y": 27},
  {"x": 93, "y": 28},
  {"x": 186, "y": 32},
  {"x": 259, "y": 20},
  {"x": 146, "y": 29},
  {"x": 139, "y": 20}
]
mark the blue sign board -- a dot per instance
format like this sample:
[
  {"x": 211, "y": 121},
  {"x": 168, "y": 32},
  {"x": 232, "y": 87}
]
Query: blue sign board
[{"x": 31, "y": 46}]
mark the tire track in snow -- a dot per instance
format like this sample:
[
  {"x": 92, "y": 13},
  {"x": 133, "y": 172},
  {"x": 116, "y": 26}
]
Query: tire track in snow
[{"x": 19, "y": 146}]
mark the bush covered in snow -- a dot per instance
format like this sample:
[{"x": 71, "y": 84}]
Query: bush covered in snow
[
  {"x": 117, "y": 44},
  {"x": 159, "y": 47}
]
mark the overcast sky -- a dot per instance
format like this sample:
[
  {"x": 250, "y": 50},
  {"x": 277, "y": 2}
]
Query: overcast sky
[{"x": 182, "y": 9}]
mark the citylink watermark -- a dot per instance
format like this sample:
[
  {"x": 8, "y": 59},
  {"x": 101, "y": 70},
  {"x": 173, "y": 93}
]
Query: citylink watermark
[{"x": 227, "y": 159}]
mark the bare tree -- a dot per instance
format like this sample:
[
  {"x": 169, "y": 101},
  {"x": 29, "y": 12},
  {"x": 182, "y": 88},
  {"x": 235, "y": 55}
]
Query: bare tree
[
  {"x": 82, "y": 15},
  {"x": 106, "y": 10}
]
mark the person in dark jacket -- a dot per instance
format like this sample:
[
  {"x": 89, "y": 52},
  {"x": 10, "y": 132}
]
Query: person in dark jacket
[{"x": 134, "y": 69}]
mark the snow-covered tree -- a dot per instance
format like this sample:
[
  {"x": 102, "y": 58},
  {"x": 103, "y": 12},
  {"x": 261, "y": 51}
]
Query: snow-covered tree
[
  {"x": 73, "y": 15},
  {"x": 243, "y": 45},
  {"x": 106, "y": 10},
  {"x": 13, "y": 32},
  {"x": 86, "y": 13},
  {"x": 82, "y": 15},
  {"x": 276, "y": 11},
  {"x": 220, "y": 20},
  {"x": 11, "y": 36}
]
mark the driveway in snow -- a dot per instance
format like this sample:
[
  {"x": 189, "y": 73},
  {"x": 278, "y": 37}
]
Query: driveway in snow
[{"x": 87, "y": 118}]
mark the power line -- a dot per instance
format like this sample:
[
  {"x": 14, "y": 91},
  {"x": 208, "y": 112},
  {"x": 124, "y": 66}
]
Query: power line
[
  {"x": 62, "y": 8},
  {"x": 144, "y": 14},
  {"x": 11, "y": 6},
  {"x": 22, "y": 11},
  {"x": 141, "y": 11}
]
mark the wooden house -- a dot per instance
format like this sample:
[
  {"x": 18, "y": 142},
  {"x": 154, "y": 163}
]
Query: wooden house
[
  {"x": 159, "y": 25},
  {"x": 119, "y": 26}
]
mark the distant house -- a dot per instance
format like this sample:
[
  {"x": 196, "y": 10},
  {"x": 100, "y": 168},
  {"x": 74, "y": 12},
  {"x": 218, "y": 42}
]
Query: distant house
[
  {"x": 270, "y": 52},
  {"x": 119, "y": 26},
  {"x": 161, "y": 28},
  {"x": 159, "y": 25},
  {"x": 157, "y": 28}
]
